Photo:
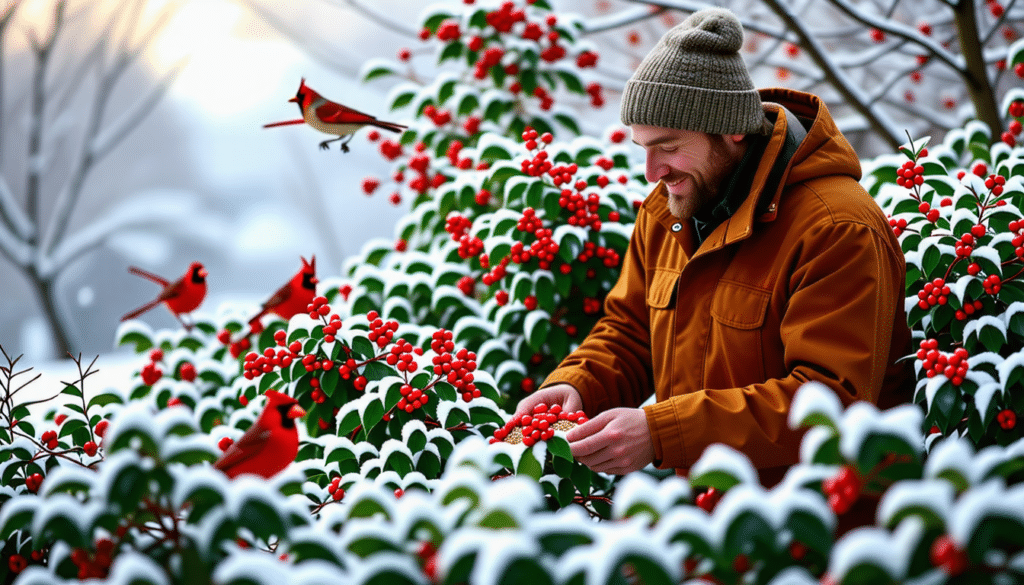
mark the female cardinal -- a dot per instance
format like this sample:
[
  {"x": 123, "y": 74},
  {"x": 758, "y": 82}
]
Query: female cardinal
[
  {"x": 270, "y": 444},
  {"x": 331, "y": 117},
  {"x": 292, "y": 298},
  {"x": 181, "y": 296}
]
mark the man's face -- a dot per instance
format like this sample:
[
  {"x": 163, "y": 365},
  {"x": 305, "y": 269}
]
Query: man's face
[{"x": 693, "y": 165}]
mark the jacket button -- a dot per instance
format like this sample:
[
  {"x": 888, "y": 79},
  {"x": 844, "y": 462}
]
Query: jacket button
[{"x": 677, "y": 227}]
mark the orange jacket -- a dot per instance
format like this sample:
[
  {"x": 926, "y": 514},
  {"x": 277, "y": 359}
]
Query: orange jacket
[{"x": 725, "y": 333}]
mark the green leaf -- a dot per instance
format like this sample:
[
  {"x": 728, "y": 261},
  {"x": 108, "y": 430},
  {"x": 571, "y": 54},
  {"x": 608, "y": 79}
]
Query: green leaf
[
  {"x": 372, "y": 414},
  {"x": 559, "y": 447},
  {"x": 381, "y": 70},
  {"x": 141, "y": 342},
  {"x": 105, "y": 398}
]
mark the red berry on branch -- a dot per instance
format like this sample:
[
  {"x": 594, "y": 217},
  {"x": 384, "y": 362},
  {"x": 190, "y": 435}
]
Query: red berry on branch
[
  {"x": 946, "y": 555},
  {"x": 90, "y": 448},
  {"x": 1007, "y": 419}
]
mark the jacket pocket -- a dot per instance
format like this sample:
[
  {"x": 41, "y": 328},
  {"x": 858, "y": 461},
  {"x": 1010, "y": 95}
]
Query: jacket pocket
[
  {"x": 661, "y": 293},
  {"x": 740, "y": 306},
  {"x": 735, "y": 354}
]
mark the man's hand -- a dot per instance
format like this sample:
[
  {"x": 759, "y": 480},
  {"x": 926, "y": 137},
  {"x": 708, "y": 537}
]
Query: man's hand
[
  {"x": 563, "y": 394},
  {"x": 616, "y": 441}
]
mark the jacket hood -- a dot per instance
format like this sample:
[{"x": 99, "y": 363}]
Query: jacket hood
[{"x": 824, "y": 151}]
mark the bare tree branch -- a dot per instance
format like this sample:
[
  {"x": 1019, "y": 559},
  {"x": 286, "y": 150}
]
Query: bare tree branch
[
  {"x": 5, "y": 20},
  {"x": 14, "y": 217},
  {"x": 619, "y": 19},
  {"x": 103, "y": 141},
  {"x": 35, "y": 135}
]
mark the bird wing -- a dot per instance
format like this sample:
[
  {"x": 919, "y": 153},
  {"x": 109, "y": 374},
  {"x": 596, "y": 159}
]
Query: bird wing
[
  {"x": 333, "y": 113},
  {"x": 279, "y": 297},
  {"x": 250, "y": 445},
  {"x": 172, "y": 290}
]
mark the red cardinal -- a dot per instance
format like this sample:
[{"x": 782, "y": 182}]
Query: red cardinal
[
  {"x": 292, "y": 298},
  {"x": 181, "y": 296},
  {"x": 270, "y": 444},
  {"x": 331, "y": 117}
]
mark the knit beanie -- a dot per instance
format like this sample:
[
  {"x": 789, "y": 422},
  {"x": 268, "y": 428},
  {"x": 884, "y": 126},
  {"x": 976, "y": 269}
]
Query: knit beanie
[{"x": 695, "y": 79}]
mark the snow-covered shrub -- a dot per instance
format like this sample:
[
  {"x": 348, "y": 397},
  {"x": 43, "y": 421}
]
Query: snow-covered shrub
[{"x": 957, "y": 209}]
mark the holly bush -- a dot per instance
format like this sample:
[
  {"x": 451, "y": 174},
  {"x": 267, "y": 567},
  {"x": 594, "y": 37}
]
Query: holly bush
[
  {"x": 957, "y": 209},
  {"x": 409, "y": 468}
]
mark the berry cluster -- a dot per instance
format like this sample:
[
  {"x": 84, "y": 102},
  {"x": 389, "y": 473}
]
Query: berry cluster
[
  {"x": 94, "y": 566},
  {"x": 235, "y": 347},
  {"x": 1007, "y": 419},
  {"x": 470, "y": 246},
  {"x": 456, "y": 369},
  {"x": 49, "y": 439},
  {"x": 708, "y": 499},
  {"x": 412, "y": 398},
  {"x": 583, "y": 211},
  {"x": 335, "y": 489},
  {"x": 928, "y": 211},
  {"x": 381, "y": 332},
  {"x": 949, "y": 557},
  {"x": 933, "y": 293},
  {"x": 591, "y": 306},
  {"x": 995, "y": 184},
  {"x": 539, "y": 164},
  {"x": 370, "y": 185},
  {"x": 33, "y": 482},
  {"x": 529, "y": 222},
  {"x": 390, "y": 149},
  {"x": 543, "y": 248},
  {"x": 401, "y": 356},
  {"x": 969, "y": 309},
  {"x": 842, "y": 489},
  {"x": 993, "y": 284},
  {"x": 910, "y": 175},
  {"x": 608, "y": 256},
  {"x": 538, "y": 426},
  {"x": 151, "y": 372},
  {"x": 496, "y": 273},
  {"x": 505, "y": 17},
  {"x": 317, "y": 394},
  {"x": 457, "y": 225},
  {"x": 1017, "y": 229},
  {"x": 449, "y": 31},
  {"x": 934, "y": 362},
  {"x": 187, "y": 372},
  {"x": 255, "y": 365},
  {"x": 897, "y": 225},
  {"x": 466, "y": 284}
]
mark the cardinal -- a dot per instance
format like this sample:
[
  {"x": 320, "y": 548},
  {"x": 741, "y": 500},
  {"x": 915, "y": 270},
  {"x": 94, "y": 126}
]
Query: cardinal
[
  {"x": 331, "y": 117},
  {"x": 270, "y": 444},
  {"x": 292, "y": 298},
  {"x": 181, "y": 296}
]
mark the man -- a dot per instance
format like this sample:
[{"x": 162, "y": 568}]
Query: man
[{"x": 757, "y": 264}]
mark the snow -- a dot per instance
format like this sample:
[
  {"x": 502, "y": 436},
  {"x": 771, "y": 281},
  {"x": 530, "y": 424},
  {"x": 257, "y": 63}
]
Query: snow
[
  {"x": 876, "y": 546},
  {"x": 991, "y": 498},
  {"x": 495, "y": 552},
  {"x": 642, "y": 489},
  {"x": 862, "y": 419},
  {"x": 724, "y": 459},
  {"x": 600, "y": 562},
  {"x": 815, "y": 398},
  {"x": 936, "y": 496}
]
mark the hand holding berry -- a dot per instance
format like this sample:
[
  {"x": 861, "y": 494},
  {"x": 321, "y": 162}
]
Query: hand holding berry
[
  {"x": 562, "y": 394},
  {"x": 616, "y": 441}
]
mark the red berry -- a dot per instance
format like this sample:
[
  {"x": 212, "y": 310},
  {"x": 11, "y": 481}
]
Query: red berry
[
  {"x": 530, "y": 302},
  {"x": 224, "y": 443},
  {"x": 946, "y": 555},
  {"x": 101, "y": 428},
  {"x": 17, "y": 563},
  {"x": 90, "y": 448}
]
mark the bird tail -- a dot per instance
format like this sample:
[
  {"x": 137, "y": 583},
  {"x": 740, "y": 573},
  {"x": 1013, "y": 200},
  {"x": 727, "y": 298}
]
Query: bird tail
[
  {"x": 148, "y": 275},
  {"x": 389, "y": 126},
  {"x": 285, "y": 123},
  {"x": 141, "y": 310}
]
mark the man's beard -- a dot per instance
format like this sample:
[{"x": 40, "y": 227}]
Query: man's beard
[{"x": 705, "y": 187}]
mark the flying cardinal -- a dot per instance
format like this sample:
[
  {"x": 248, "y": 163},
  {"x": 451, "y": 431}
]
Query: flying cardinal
[
  {"x": 270, "y": 444},
  {"x": 331, "y": 117},
  {"x": 181, "y": 296},
  {"x": 292, "y": 298}
]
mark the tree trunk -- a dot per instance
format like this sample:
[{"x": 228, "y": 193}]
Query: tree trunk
[
  {"x": 47, "y": 295},
  {"x": 979, "y": 87}
]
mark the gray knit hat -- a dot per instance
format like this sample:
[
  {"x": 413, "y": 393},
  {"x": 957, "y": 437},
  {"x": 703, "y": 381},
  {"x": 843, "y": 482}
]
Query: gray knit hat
[{"x": 695, "y": 79}]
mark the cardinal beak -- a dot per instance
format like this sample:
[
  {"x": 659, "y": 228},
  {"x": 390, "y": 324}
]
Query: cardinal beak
[
  {"x": 203, "y": 273},
  {"x": 314, "y": 280},
  {"x": 296, "y": 411},
  {"x": 293, "y": 99}
]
